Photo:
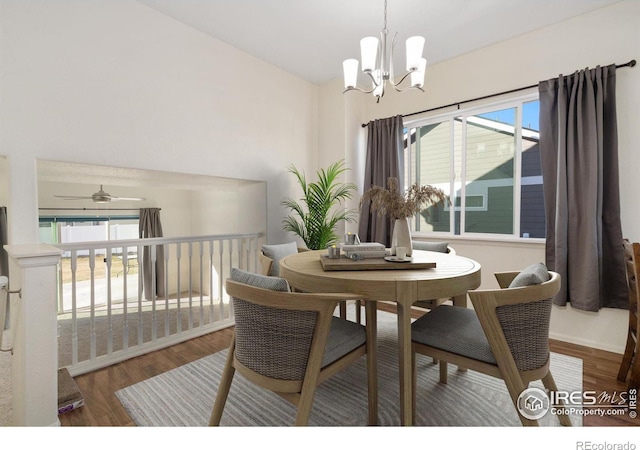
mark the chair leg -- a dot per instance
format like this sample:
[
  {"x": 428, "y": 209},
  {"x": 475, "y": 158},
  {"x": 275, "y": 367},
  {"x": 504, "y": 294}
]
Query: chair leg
[
  {"x": 550, "y": 384},
  {"x": 444, "y": 372},
  {"x": 372, "y": 361},
  {"x": 515, "y": 386},
  {"x": 304, "y": 406},
  {"x": 414, "y": 384},
  {"x": 625, "y": 365},
  {"x": 634, "y": 381},
  {"x": 343, "y": 309},
  {"x": 223, "y": 388}
]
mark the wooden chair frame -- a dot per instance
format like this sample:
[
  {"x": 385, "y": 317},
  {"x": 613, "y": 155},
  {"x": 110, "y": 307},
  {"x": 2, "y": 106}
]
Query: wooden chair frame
[
  {"x": 485, "y": 303},
  {"x": 299, "y": 392},
  {"x": 630, "y": 365}
]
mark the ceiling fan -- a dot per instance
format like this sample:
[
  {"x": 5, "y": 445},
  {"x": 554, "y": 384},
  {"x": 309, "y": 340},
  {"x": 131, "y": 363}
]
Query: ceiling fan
[{"x": 100, "y": 197}]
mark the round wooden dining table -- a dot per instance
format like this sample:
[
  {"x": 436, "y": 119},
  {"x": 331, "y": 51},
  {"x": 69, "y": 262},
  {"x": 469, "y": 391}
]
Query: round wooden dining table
[{"x": 451, "y": 277}]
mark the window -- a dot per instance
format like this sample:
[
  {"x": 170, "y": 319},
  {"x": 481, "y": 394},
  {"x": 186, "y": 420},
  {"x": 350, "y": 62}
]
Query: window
[{"x": 488, "y": 162}]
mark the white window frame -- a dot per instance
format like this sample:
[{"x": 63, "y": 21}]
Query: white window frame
[{"x": 515, "y": 101}]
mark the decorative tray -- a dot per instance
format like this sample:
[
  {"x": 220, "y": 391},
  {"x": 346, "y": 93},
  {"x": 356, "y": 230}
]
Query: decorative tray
[{"x": 344, "y": 263}]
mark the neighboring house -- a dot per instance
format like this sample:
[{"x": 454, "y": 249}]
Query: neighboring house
[{"x": 490, "y": 174}]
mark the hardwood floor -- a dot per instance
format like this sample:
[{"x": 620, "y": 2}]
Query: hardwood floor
[{"x": 102, "y": 408}]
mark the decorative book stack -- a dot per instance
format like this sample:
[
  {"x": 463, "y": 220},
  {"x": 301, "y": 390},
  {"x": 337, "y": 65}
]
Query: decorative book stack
[{"x": 365, "y": 250}]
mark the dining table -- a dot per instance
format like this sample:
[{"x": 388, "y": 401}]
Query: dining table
[{"x": 449, "y": 276}]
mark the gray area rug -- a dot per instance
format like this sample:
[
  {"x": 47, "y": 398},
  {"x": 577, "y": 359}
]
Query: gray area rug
[{"x": 184, "y": 396}]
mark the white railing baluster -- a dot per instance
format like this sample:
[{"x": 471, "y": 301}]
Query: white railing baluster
[
  {"x": 211, "y": 270},
  {"x": 221, "y": 278},
  {"x": 154, "y": 317},
  {"x": 178, "y": 289},
  {"x": 74, "y": 308},
  {"x": 109, "y": 304},
  {"x": 201, "y": 273},
  {"x": 92, "y": 326},
  {"x": 230, "y": 268},
  {"x": 190, "y": 247},
  {"x": 125, "y": 312},
  {"x": 167, "y": 319},
  {"x": 141, "y": 263}
]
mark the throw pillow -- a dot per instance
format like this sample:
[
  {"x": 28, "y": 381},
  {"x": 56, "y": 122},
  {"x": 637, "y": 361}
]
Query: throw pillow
[
  {"x": 276, "y": 252},
  {"x": 534, "y": 274},
  {"x": 261, "y": 281},
  {"x": 431, "y": 246}
]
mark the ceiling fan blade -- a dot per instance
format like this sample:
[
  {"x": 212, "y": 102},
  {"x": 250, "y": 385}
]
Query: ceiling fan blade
[
  {"x": 73, "y": 197},
  {"x": 100, "y": 197},
  {"x": 130, "y": 199}
]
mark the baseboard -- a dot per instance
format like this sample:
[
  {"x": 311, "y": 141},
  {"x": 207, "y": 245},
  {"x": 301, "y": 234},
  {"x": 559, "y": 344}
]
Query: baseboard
[{"x": 587, "y": 343}]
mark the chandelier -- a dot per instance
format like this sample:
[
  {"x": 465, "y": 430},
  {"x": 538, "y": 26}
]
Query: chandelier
[{"x": 379, "y": 68}]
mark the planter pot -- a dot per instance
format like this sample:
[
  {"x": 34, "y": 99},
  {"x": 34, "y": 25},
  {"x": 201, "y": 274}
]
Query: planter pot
[{"x": 401, "y": 236}]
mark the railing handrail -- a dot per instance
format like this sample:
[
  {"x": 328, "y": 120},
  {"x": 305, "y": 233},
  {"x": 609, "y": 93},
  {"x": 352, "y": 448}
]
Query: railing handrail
[{"x": 152, "y": 241}]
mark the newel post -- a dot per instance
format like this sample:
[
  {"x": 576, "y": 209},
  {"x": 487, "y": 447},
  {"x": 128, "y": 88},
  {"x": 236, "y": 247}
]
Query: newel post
[{"x": 35, "y": 348}]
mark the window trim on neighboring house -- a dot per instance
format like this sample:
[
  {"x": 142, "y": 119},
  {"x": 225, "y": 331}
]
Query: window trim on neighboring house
[{"x": 507, "y": 102}]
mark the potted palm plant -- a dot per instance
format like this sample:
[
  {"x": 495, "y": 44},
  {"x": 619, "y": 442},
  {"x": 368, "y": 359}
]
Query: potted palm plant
[
  {"x": 401, "y": 206},
  {"x": 314, "y": 219}
]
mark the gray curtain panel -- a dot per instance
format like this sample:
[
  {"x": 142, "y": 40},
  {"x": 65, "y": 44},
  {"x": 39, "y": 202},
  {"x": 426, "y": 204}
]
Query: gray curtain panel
[
  {"x": 385, "y": 158},
  {"x": 150, "y": 227},
  {"x": 579, "y": 157}
]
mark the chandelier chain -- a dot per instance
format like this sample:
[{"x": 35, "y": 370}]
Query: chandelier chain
[{"x": 384, "y": 30}]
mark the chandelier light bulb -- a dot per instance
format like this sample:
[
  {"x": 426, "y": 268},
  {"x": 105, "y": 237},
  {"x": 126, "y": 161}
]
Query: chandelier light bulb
[
  {"x": 415, "y": 45},
  {"x": 417, "y": 77},
  {"x": 368, "y": 53},
  {"x": 350, "y": 68}
]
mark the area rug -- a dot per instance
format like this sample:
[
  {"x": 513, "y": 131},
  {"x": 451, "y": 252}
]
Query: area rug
[{"x": 184, "y": 396}]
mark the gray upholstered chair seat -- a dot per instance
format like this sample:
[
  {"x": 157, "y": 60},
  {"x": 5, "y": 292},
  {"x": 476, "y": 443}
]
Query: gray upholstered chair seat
[
  {"x": 455, "y": 330},
  {"x": 344, "y": 337}
]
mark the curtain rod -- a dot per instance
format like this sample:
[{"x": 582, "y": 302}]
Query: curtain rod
[
  {"x": 90, "y": 209},
  {"x": 631, "y": 63}
]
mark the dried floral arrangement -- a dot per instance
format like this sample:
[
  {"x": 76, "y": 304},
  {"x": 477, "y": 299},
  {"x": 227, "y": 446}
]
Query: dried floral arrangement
[{"x": 401, "y": 205}]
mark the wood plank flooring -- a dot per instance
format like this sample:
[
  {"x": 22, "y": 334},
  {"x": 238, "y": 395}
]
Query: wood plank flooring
[{"x": 102, "y": 408}]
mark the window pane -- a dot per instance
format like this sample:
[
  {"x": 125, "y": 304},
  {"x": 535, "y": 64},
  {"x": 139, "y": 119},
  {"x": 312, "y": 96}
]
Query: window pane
[
  {"x": 432, "y": 165},
  {"x": 532, "y": 217},
  {"x": 491, "y": 144}
]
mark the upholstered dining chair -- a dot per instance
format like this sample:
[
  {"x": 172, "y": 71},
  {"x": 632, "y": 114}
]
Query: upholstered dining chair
[
  {"x": 507, "y": 336},
  {"x": 630, "y": 365},
  {"x": 290, "y": 342}
]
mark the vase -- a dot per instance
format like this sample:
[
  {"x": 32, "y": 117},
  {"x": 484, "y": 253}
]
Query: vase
[{"x": 401, "y": 236}]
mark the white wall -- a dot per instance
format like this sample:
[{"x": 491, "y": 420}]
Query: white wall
[
  {"x": 606, "y": 36},
  {"x": 115, "y": 83}
]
